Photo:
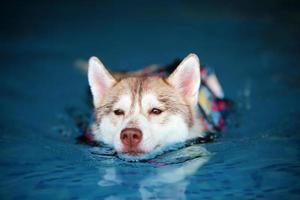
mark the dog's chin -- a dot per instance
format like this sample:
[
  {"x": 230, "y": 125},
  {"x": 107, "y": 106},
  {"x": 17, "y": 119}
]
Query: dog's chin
[
  {"x": 138, "y": 152},
  {"x": 132, "y": 152}
]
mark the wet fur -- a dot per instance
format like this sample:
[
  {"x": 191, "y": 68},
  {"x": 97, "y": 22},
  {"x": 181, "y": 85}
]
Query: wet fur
[{"x": 137, "y": 95}]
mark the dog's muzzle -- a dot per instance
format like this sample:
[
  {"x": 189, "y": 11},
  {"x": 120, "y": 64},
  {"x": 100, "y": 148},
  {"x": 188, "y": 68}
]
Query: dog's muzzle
[{"x": 131, "y": 138}]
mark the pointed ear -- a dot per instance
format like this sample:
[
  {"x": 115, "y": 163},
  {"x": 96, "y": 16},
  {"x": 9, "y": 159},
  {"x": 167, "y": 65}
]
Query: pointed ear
[
  {"x": 186, "y": 78},
  {"x": 100, "y": 80}
]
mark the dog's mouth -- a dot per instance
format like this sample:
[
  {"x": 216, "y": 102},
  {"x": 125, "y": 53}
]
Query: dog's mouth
[
  {"x": 138, "y": 155},
  {"x": 133, "y": 155},
  {"x": 132, "y": 152},
  {"x": 138, "y": 152}
]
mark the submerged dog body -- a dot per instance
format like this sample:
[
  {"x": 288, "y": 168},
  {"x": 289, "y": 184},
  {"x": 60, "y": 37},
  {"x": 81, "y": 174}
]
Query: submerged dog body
[{"x": 137, "y": 114}]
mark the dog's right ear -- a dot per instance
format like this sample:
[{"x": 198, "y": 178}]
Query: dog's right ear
[{"x": 100, "y": 80}]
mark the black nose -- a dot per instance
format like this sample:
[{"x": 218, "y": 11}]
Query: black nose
[{"x": 131, "y": 137}]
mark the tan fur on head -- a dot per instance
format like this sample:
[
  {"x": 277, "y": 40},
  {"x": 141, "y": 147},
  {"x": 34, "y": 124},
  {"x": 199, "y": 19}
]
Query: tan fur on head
[{"x": 174, "y": 97}]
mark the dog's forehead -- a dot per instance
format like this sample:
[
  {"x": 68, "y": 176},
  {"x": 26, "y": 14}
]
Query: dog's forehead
[
  {"x": 139, "y": 85},
  {"x": 145, "y": 90},
  {"x": 149, "y": 99},
  {"x": 124, "y": 101}
]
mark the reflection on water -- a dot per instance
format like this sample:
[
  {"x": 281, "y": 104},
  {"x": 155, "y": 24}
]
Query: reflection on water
[
  {"x": 253, "y": 46},
  {"x": 164, "y": 171},
  {"x": 165, "y": 174}
]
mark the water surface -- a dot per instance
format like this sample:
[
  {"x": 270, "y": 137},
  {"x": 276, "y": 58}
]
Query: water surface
[{"x": 253, "y": 47}]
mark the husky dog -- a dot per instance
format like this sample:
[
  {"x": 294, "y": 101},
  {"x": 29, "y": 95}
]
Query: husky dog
[{"x": 137, "y": 114}]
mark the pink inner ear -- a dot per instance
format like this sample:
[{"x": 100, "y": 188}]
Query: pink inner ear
[
  {"x": 98, "y": 87},
  {"x": 187, "y": 83}
]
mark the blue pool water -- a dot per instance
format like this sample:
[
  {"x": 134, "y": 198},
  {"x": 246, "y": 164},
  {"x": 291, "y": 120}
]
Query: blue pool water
[{"x": 253, "y": 46}]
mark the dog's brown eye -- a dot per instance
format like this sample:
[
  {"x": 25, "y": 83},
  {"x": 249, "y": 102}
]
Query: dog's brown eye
[
  {"x": 155, "y": 111},
  {"x": 119, "y": 112}
]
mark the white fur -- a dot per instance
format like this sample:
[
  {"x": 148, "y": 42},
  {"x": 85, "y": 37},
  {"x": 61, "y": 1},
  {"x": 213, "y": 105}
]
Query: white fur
[
  {"x": 108, "y": 132},
  {"x": 186, "y": 78},
  {"x": 150, "y": 101},
  {"x": 123, "y": 103},
  {"x": 154, "y": 134}
]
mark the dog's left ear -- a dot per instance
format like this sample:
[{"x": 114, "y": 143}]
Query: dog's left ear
[{"x": 186, "y": 78}]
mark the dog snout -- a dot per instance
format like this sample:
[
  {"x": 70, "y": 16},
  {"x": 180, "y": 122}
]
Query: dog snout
[{"x": 131, "y": 137}]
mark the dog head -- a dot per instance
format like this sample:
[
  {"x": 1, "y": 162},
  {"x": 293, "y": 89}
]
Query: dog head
[{"x": 138, "y": 114}]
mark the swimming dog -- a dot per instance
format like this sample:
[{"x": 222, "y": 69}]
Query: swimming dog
[{"x": 137, "y": 114}]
